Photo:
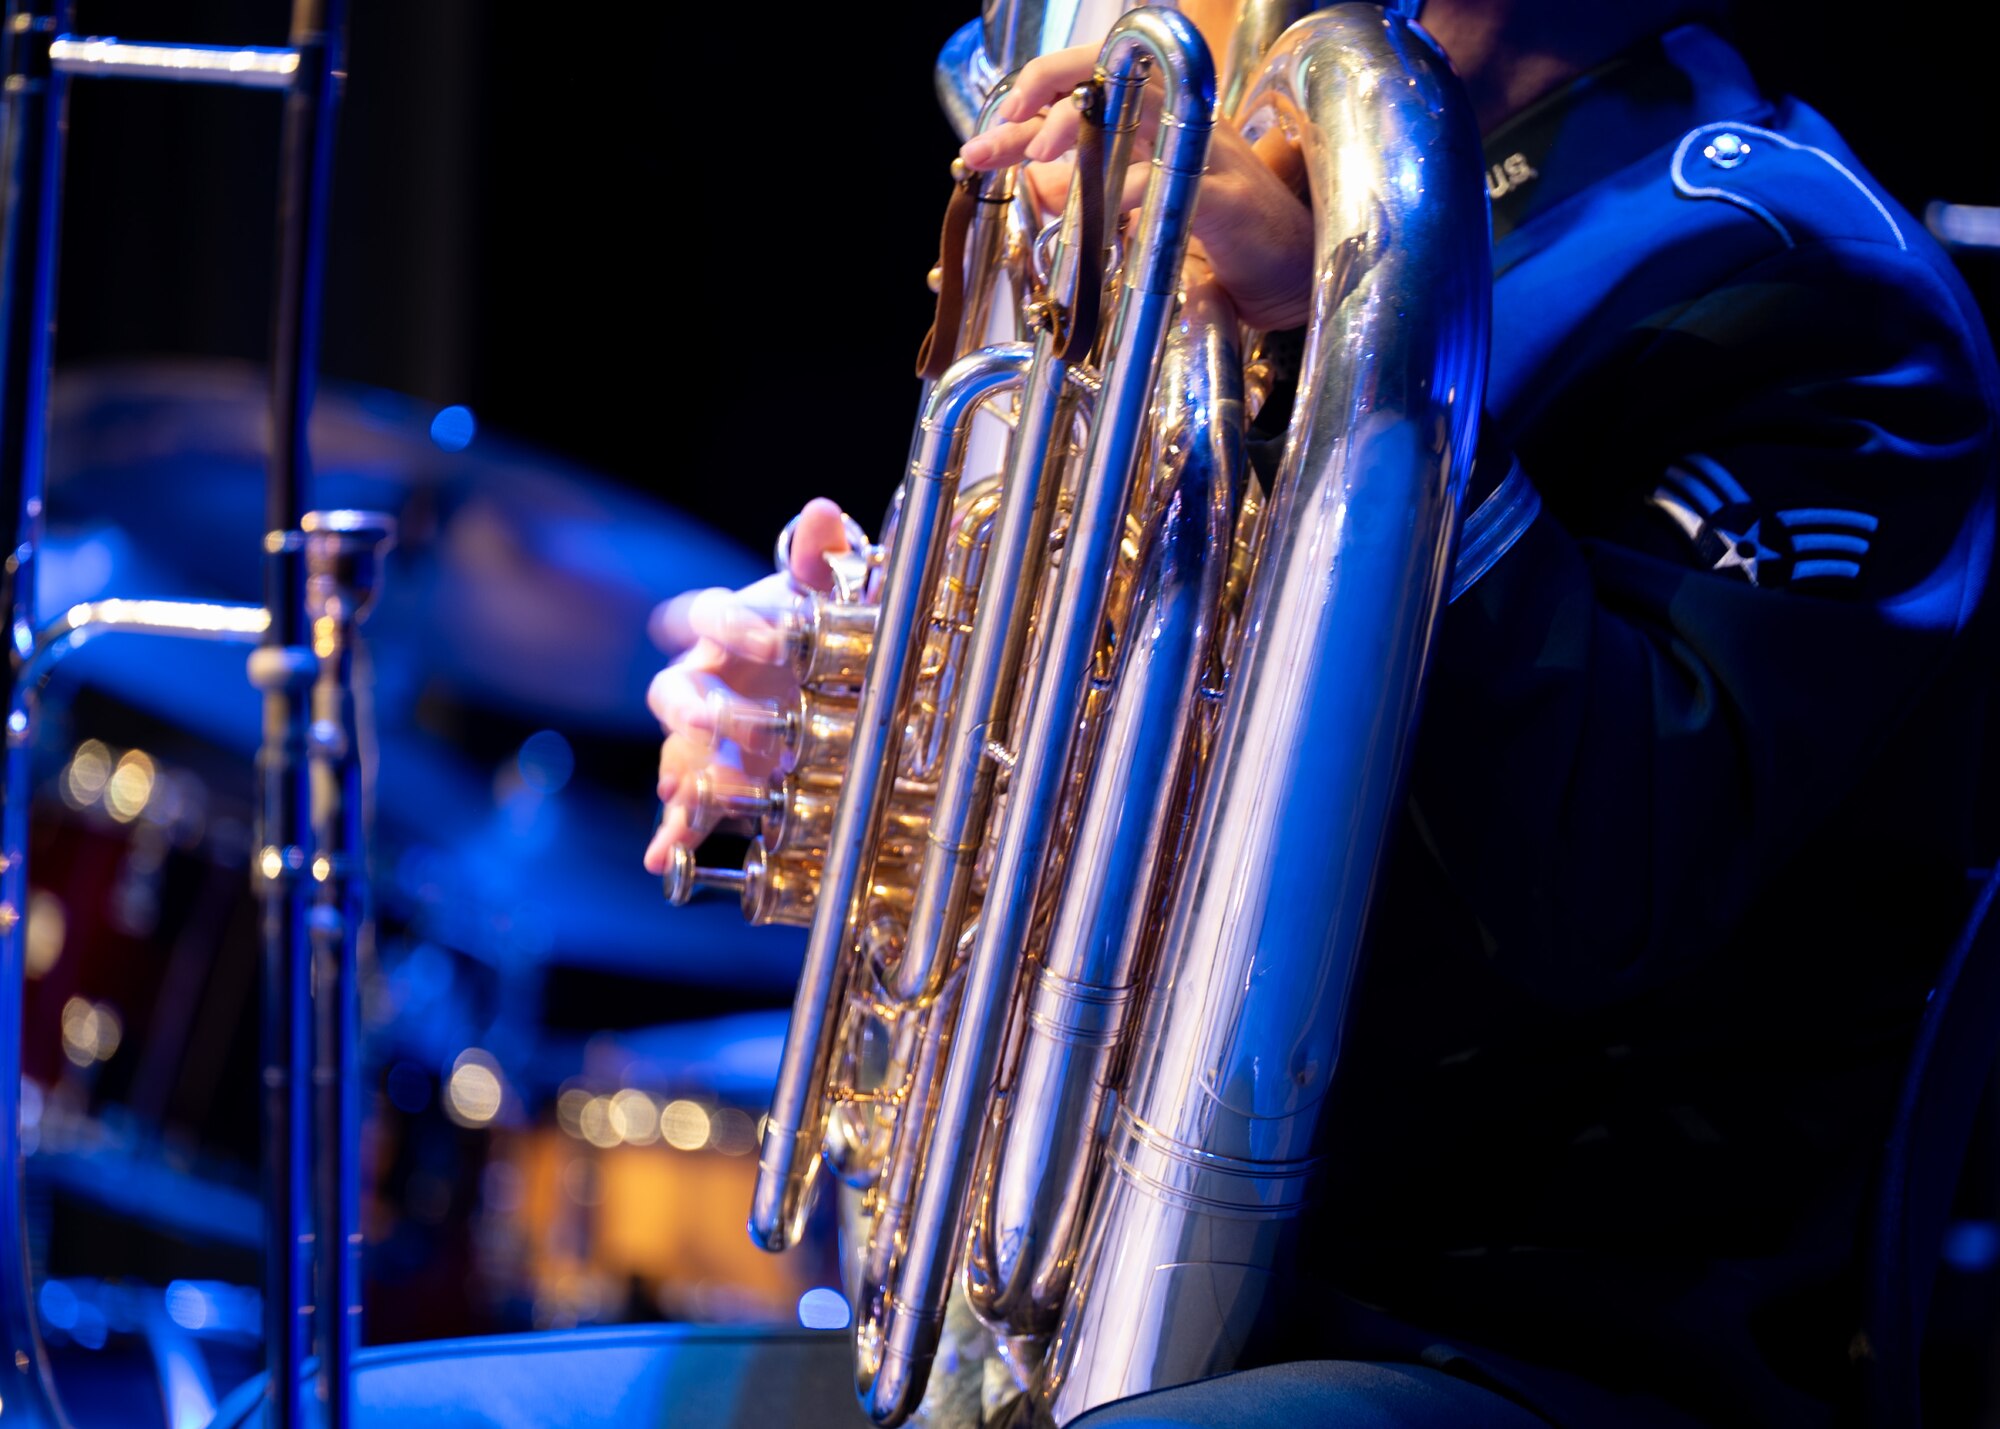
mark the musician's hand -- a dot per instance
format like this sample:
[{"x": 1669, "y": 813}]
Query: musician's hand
[
  {"x": 1248, "y": 222},
  {"x": 730, "y": 641}
]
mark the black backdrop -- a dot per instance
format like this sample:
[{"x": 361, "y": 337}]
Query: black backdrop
[
  {"x": 687, "y": 250},
  {"x": 647, "y": 243}
]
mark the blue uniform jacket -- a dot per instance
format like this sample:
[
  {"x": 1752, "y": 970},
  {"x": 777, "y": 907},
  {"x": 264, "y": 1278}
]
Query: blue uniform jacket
[{"x": 1688, "y": 820}]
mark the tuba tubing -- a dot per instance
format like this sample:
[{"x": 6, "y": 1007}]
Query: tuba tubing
[
  {"x": 789, "y": 1156},
  {"x": 908, "y": 1323},
  {"x": 1212, "y": 1146},
  {"x": 990, "y": 677},
  {"x": 1040, "y": 1159}
]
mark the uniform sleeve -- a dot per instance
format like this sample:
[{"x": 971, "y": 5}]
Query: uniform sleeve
[{"x": 1766, "y": 527}]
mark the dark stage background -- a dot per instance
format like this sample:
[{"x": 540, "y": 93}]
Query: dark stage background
[
  {"x": 646, "y": 242},
  {"x": 559, "y": 226}
]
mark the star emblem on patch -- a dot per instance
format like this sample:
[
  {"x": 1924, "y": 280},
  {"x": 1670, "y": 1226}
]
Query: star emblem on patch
[{"x": 1737, "y": 539}]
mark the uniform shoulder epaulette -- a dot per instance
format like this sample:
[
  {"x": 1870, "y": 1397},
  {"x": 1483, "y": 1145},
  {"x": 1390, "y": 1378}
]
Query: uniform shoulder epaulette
[{"x": 1803, "y": 192}]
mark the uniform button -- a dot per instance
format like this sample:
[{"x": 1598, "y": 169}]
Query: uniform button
[{"x": 1726, "y": 150}]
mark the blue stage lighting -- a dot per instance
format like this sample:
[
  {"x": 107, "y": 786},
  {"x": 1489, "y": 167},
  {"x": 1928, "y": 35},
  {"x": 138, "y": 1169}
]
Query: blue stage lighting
[
  {"x": 453, "y": 428},
  {"x": 823, "y": 1309},
  {"x": 546, "y": 761},
  {"x": 59, "y": 1305},
  {"x": 1972, "y": 1246}
]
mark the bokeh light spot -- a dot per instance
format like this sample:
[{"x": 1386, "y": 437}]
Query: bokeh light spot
[
  {"x": 594, "y": 1123},
  {"x": 453, "y": 428},
  {"x": 89, "y": 770},
  {"x": 685, "y": 1125},
  {"x": 48, "y": 925},
  {"x": 569, "y": 1110},
  {"x": 732, "y": 1132},
  {"x": 635, "y": 1118},
  {"x": 1972, "y": 1246},
  {"x": 473, "y": 1093},
  {"x": 823, "y": 1309},
  {"x": 130, "y": 786},
  {"x": 546, "y": 761}
]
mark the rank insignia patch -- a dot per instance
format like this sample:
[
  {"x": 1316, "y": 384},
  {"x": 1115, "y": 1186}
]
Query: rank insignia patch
[{"x": 1732, "y": 536}]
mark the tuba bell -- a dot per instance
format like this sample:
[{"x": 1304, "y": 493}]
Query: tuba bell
[{"x": 1097, "y": 753}]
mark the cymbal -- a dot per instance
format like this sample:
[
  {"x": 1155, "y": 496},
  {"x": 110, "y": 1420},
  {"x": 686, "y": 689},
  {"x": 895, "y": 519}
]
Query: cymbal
[
  {"x": 520, "y": 582},
  {"x": 517, "y": 597}
]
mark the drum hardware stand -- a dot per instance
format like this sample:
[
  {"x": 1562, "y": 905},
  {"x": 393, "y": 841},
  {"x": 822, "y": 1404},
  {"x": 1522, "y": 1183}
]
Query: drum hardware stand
[
  {"x": 320, "y": 570},
  {"x": 344, "y": 551}
]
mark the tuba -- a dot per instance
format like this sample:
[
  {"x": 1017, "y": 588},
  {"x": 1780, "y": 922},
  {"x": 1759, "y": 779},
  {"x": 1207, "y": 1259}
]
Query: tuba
[{"x": 1096, "y": 755}]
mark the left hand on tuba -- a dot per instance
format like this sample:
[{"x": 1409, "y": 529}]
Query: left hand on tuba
[{"x": 1249, "y": 224}]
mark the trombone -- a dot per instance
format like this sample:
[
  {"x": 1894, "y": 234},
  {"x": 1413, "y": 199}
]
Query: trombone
[{"x": 309, "y": 869}]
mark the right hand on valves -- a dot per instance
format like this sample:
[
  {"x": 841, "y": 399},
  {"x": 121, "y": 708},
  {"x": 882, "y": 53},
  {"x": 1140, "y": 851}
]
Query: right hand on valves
[{"x": 730, "y": 645}]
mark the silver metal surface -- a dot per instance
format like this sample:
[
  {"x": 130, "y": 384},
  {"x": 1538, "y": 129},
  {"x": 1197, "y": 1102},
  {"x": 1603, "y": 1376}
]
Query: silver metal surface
[
  {"x": 39, "y": 62},
  {"x": 988, "y": 681},
  {"x": 1039, "y": 1164},
  {"x": 344, "y": 555},
  {"x": 85, "y": 621},
  {"x": 1213, "y": 1142},
  {"x": 789, "y": 1159},
  {"x": 1726, "y": 150},
  {"x": 965, "y": 567},
  {"x": 1258, "y": 25},
  {"x": 243, "y": 66},
  {"x": 1963, "y": 225},
  {"x": 1018, "y": 30},
  {"x": 1493, "y": 527},
  {"x": 986, "y": 243},
  {"x": 964, "y": 77},
  {"x": 890, "y": 1379},
  {"x": 913, "y": 1309},
  {"x": 33, "y": 122}
]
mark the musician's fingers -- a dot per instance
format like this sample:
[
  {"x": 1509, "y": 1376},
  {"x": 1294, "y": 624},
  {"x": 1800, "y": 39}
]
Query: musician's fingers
[
  {"x": 668, "y": 624},
  {"x": 1276, "y": 151},
  {"x": 680, "y": 698},
  {"x": 685, "y": 764},
  {"x": 1049, "y": 184},
  {"x": 1001, "y": 145},
  {"x": 1047, "y": 78},
  {"x": 1058, "y": 133},
  {"x": 1137, "y": 177},
  {"x": 673, "y": 830},
  {"x": 1058, "y": 136},
  {"x": 740, "y": 624},
  {"x": 655, "y": 858},
  {"x": 1255, "y": 231},
  {"x": 667, "y": 688},
  {"x": 819, "y": 531},
  {"x": 681, "y": 758},
  {"x": 656, "y": 696},
  {"x": 730, "y": 616}
]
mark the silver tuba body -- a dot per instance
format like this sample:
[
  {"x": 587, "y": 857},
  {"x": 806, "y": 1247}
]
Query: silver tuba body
[{"x": 1087, "y": 907}]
